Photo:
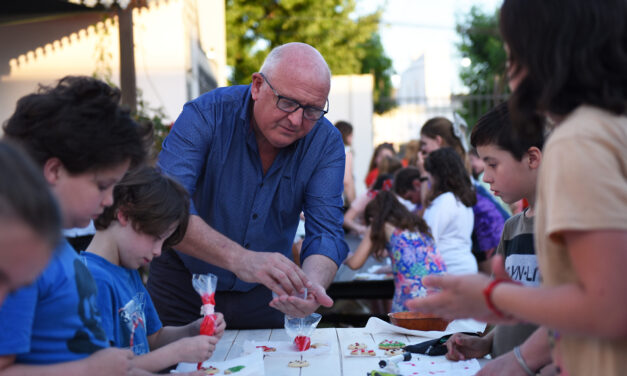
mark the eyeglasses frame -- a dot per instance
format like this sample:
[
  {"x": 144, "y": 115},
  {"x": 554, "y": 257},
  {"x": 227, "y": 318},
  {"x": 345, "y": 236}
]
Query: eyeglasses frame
[{"x": 279, "y": 97}]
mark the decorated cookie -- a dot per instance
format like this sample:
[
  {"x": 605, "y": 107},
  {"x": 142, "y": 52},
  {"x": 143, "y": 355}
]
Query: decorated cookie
[
  {"x": 363, "y": 352},
  {"x": 387, "y": 345},
  {"x": 357, "y": 346},
  {"x": 318, "y": 345},
  {"x": 211, "y": 370},
  {"x": 233, "y": 370},
  {"x": 298, "y": 364},
  {"x": 393, "y": 352},
  {"x": 267, "y": 348}
]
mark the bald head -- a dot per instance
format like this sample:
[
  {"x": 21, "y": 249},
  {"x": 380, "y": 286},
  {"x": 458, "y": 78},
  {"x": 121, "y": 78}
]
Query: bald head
[{"x": 298, "y": 58}]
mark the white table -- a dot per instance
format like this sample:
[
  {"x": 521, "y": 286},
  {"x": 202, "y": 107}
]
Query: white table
[{"x": 331, "y": 364}]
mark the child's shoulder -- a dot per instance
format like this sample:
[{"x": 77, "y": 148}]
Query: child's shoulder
[
  {"x": 101, "y": 269},
  {"x": 519, "y": 223}
]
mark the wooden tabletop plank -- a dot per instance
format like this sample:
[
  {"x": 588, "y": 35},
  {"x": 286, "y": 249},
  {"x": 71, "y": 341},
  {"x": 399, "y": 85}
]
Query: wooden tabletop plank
[
  {"x": 247, "y": 335},
  {"x": 328, "y": 364},
  {"x": 224, "y": 345}
]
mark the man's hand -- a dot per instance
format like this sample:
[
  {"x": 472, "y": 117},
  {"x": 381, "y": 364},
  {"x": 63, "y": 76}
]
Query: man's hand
[
  {"x": 462, "y": 346},
  {"x": 273, "y": 270},
  {"x": 297, "y": 307}
]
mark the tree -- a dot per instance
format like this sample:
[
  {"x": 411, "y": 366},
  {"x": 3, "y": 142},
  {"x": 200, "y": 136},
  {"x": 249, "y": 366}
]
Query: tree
[
  {"x": 485, "y": 77},
  {"x": 348, "y": 42},
  {"x": 376, "y": 62}
]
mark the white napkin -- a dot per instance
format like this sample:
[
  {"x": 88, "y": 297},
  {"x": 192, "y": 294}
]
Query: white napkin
[
  {"x": 253, "y": 365},
  {"x": 284, "y": 348},
  {"x": 376, "y": 325}
]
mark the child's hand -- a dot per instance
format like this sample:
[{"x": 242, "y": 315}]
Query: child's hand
[
  {"x": 461, "y": 346},
  {"x": 220, "y": 325},
  {"x": 195, "y": 349}
]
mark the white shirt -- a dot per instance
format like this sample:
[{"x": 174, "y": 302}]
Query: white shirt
[{"x": 451, "y": 224}]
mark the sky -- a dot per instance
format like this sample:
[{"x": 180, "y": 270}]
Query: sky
[{"x": 410, "y": 28}]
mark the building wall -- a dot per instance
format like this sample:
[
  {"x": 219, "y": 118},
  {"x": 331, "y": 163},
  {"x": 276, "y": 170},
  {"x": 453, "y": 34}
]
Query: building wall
[
  {"x": 350, "y": 100},
  {"x": 169, "y": 50}
]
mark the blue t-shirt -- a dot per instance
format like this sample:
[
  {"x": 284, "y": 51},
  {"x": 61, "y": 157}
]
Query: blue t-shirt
[
  {"x": 212, "y": 151},
  {"x": 55, "y": 319},
  {"x": 126, "y": 308}
]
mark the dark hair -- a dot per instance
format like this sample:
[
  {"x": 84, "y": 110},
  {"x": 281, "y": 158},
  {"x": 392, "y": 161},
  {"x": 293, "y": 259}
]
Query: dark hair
[
  {"x": 404, "y": 180},
  {"x": 574, "y": 52},
  {"x": 80, "y": 122},
  {"x": 377, "y": 150},
  {"x": 384, "y": 207},
  {"x": 345, "y": 128},
  {"x": 152, "y": 201},
  {"x": 495, "y": 128},
  {"x": 25, "y": 195},
  {"x": 449, "y": 175}
]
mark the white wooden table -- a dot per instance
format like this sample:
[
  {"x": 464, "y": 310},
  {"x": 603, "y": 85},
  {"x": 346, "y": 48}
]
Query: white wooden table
[{"x": 333, "y": 363}]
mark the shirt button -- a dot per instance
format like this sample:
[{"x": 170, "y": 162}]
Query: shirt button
[{"x": 255, "y": 216}]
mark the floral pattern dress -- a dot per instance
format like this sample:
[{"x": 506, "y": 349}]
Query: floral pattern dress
[{"x": 414, "y": 256}]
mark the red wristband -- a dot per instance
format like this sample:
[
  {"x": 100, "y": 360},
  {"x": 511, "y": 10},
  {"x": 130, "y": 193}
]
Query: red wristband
[{"x": 487, "y": 294}]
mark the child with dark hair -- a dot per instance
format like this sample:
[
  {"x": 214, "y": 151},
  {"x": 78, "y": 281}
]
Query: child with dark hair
[
  {"x": 83, "y": 142},
  {"x": 511, "y": 169},
  {"x": 408, "y": 242},
  {"x": 381, "y": 151},
  {"x": 567, "y": 63},
  {"x": 449, "y": 209},
  {"x": 30, "y": 221},
  {"x": 149, "y": 213},
  {"x": 407, "y": 185}
]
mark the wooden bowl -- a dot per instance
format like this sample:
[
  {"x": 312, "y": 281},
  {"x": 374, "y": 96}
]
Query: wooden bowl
[{"x": 417, "y": 321}]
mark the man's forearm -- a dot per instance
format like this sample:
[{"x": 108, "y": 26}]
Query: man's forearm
[
  {"x": 205, "y": 243},
  {"x": 320, "y": 269}
]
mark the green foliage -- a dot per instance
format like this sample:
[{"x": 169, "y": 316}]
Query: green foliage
[
  {"x": 376, "y": 62},
  {"x": 350, "y": 44},
  {"x": 485, "y": 77}
]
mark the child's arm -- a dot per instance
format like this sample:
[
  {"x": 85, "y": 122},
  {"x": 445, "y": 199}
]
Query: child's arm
[
  {"x": 359, "y": 257},
  {"x": 189, "y": 349},
  {"x": 169, "y": 334},
  {"x": 357, "y": 206},
  {"x": 599, "y": 259},
  {"x": 174, "y": 344},
  {"x": 101, "y": 363}
]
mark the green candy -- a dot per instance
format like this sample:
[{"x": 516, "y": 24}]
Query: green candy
[{"x": 234, "y": 369}]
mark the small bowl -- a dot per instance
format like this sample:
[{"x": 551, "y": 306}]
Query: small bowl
[{"x": 418, "y": 321}]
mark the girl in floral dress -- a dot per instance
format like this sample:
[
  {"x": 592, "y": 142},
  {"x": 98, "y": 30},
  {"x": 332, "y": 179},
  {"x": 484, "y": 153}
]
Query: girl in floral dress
[{"x": 408, "y": 241}]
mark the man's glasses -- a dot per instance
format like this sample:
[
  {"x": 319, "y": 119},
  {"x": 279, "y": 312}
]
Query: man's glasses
[{"x": 289, "y": 105}]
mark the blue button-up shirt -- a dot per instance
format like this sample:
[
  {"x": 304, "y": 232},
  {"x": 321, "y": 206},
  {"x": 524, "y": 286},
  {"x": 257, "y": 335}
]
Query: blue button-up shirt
[{"x": 213, "y": 152}]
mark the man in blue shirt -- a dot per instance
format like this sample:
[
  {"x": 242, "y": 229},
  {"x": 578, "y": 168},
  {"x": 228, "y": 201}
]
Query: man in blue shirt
[{"x": 253, "y": 157}]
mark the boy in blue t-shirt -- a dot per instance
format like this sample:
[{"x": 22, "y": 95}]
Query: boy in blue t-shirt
[
  {"x": 30, "y": 221},
  {"x": 150, "y": 211},
  {"x": 83, "y": 142}
]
